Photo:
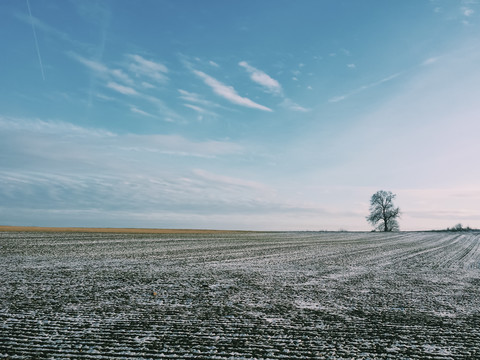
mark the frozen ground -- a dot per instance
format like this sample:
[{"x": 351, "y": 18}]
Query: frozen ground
[{"x": 240, "y": 296}]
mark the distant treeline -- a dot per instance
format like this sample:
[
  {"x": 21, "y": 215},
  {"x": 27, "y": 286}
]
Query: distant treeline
[{"x": 459, "y": 227}]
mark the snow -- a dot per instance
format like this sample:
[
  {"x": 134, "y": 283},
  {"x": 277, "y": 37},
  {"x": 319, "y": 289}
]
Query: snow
[{"x": 239, "y": 296}]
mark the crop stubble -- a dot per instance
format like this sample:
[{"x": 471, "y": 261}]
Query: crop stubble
[{"x": 239, "y": 295}]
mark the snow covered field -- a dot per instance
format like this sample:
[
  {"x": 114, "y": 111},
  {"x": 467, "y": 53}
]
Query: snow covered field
[{"x": 240, "y": 296}]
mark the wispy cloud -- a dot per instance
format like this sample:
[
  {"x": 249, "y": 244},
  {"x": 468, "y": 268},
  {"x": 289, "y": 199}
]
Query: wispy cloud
[
  {"x": 190, "y": 96},
  {"x": 104, "y": 97},
  {"x": 228, "y": 92},
  {"x": 136, "y": 110},
  {"x": 91, "y": 64},
  {"x": 363, "y": 88},
  {"x": 338, "y": 98},
  {"x": 143, "y": 67},
  {"x": 42, "y": 26},
  {"x": 121, "y": 76},
  {"x": 197, "y": 103},
  {"x": 36, "y": 40},
  {"x": 272, "y": 86},
  {"x": 34, "y": 138},
  {"x": 289, "y": 104},
  {"x": 38, "y": 126},
  {"x": 194, "y": 199},
  {"x": 467, "y": 11},
  {"x": 430, "y": 61},
  {"x": 200, "y": 110},
  {"x": 178, "y": 143},
  {"x": 263, "y": 79},
  {"x": 125, "y": 90},
  {"x": 120, "y": 81},
  {"x": 196, "y": 108},
  {"x": 228, "y": 180},
  {"x": 195, "y": 98},
  {"x": 147, "y": 85},
  {"x": 168, "y": 113},
  {"x": 101, "y": 69}
]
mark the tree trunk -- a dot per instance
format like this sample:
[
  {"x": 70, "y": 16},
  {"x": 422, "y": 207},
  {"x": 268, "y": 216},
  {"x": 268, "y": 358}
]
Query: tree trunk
[{"x": 385, "y": 227}]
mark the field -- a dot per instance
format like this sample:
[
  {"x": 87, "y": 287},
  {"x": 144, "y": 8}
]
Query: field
[
  {"x": 112, "y": 230},
  {"x": 239, "y": 295}
]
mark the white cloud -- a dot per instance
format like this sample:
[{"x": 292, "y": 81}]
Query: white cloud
[
  {"x": 91, "y": 64},
  {"x": 272, "y": 85},
  {"x": 176, "y": 144},
  {"x": 121, "y": 89},
  {"x": 289, "y": 104},
  {"x": 337, "y": 98},
  {"x": 201, "y": 110},
  {"x": 262, "y": 78},
  {"x": 143, "y": 67},
  {"x": 8, "y": 124},
  {"x": 196, "y": 108},
  {"x": 102, "y": 70},
  {"x": 139, "y": 111},
  {"x": 190, "y": 96},
  {"x": 213, "y": 63},
  {"x": 120, "y": 75},
  {"x": 194, "y": 199},
  {"x": 147, "y": 85},
  {"x": 104, "y": 97},
  {"x": 228, "y": 92},
  {"x": 467, "y": 11},
  {"x": 363, "y": 88},
  {"x": 169, "y": 114},
  {"x": 351, "y": 66},
  {"x": 195, "y": 98},
  {"x": 227, "y": 180},
  {"x": 430, "y": 61},
  {"x": 37, "y": 142},
  {"x": 42, "y": 26}
]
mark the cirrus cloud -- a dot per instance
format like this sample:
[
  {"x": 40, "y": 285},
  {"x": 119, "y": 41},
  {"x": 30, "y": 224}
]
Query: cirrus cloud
[
  {"x": 263, "y": 79},
  {"x": 125, "y": 90},
  {"x": 143, "y": 67},
  {"x": 228, "y": 92}
]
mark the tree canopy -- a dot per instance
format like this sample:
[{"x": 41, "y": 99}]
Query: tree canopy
[{"x": 383, "y": 213}]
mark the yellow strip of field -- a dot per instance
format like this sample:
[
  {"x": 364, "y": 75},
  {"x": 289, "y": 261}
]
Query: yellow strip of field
[{"x": 113, "y": 230}]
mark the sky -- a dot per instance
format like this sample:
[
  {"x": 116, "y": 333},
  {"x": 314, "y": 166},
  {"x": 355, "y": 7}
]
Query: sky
[{"x": 252, "y": 115}]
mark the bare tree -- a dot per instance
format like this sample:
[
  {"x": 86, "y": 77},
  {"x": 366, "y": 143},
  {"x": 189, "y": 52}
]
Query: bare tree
[{"x": 383, "y": 214}]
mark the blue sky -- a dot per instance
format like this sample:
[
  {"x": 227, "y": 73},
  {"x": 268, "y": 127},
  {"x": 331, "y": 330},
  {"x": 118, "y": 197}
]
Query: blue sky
[{"x": 261, "y": 115}]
